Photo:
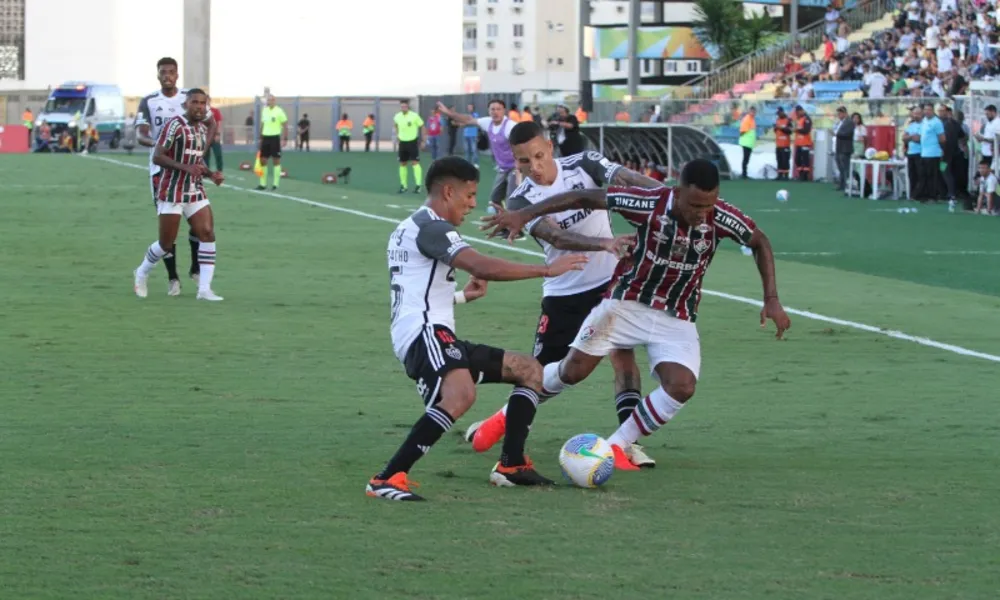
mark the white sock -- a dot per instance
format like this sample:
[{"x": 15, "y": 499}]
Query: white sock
[
  {"x": 552, "y": 385},
  {"x": 206, "y": 263},
  {"x": 153, "y": 255},
  {"x": 652, "y": 413}
]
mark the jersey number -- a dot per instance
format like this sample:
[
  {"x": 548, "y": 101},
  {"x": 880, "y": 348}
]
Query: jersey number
[{"x": 395, "y": 292}]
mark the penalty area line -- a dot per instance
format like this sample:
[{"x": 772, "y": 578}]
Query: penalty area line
[{"x": 892, "y": 333}]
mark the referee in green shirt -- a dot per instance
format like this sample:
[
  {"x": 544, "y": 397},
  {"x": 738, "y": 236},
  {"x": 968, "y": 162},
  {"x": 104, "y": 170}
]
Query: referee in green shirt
[
  {"x": 273, "y": 137},
  {"x": 408, "y": 126}
]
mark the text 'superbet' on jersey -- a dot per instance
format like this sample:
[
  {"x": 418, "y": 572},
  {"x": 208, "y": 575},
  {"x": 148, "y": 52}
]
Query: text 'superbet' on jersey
[
  {"x": 421, "y": 279},
  {"x": 584, "y": 171},
  {"x": 184, "y": 142},
  {"x": 670, "y": 259},
  {"x": 155, "y": 110}
]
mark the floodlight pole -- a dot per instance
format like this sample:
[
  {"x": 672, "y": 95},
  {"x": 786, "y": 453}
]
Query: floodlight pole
[{"x": 197, "y": 43}]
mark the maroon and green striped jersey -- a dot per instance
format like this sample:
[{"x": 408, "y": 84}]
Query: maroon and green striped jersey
[
  {"x": 184, "y": 142},
  {"x": 667, "y": 266}
]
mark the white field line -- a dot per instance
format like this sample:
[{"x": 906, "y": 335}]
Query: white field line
[{"x": 899, "y": 335}]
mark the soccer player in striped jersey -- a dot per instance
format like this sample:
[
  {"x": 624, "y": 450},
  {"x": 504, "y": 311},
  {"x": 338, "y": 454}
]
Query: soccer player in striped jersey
[
  {"x": 655, "y": 302},
  {"x": 154, "y": 112},
  {"x": 180, "y": 152}
]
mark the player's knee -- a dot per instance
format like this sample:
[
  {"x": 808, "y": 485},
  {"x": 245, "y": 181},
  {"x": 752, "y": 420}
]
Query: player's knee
[
  {"x": 681, "y": 389},
  {"x": 458, "y": 394}
]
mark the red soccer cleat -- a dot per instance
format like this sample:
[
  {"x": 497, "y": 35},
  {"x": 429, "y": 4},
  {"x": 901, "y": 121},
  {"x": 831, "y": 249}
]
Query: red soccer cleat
[
  {"x": 622, "y": 461},
  {"x": 490, "y": 432}
]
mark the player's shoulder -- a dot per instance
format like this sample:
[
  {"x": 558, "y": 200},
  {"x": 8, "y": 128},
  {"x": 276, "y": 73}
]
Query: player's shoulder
[
  {"x": 525, "y": 188},
  {"x": 152, "y": 96},
  {"x": 726, "y": 212}
]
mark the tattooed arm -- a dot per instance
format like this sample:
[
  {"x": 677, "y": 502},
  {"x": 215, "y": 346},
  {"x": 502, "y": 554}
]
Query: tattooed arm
[
  {"x": 629, "y": 178},
  {"x": 546, "y": 229}
]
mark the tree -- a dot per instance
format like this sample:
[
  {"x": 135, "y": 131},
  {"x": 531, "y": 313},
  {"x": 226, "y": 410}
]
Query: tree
[{"x": 721, "y": 24}]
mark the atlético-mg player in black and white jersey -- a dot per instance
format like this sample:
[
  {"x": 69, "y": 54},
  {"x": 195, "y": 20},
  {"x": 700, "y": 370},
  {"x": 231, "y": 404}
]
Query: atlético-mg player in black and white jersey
[
  {"x": 569, "y": 298},
  {"x": 423, "y": 254},
  {"x": 154, "y": 112}
]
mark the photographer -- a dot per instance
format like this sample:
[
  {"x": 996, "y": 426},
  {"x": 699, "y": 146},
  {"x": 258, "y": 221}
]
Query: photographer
[{"x": 565, "y": 129}]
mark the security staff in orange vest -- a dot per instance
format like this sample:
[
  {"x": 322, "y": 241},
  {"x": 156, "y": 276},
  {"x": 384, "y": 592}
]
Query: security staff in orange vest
[
  {"x": 803, "y": 145},
  {"x": 783, "y": 143}
]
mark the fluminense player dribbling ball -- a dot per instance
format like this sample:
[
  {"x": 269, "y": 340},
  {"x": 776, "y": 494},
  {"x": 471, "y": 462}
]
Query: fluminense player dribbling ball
[
  {"x": 587, "y": 460},
  {"x": 782, "y": 196}
]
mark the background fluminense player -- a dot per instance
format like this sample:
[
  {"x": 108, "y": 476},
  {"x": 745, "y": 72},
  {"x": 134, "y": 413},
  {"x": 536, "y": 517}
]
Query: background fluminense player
[
  {"x": 423, "y": 254},
  {"x": 154, "y": 112},
  {"x": 180, "y": 191}
]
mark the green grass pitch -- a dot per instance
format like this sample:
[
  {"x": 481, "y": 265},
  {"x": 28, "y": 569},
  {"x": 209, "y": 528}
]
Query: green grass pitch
[{"x": 172, "y": 449}]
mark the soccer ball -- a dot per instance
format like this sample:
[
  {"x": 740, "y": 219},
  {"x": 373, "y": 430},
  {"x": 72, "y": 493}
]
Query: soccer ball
[
  {"x": 782, "y": 196},
  {"x": 587, "y": 460}
]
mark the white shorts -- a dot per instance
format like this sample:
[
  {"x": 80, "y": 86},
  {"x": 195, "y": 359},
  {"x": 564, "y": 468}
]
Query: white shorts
[
  {"x": 628, "y": 324},
  {"x": 174, "y": 208}
]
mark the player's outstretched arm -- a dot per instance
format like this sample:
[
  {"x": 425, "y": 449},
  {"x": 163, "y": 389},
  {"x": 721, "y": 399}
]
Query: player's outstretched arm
[
  {"x": 457, "y": 117},
  {"x": 628, "y": 178},
  {"x": 489, "y": 268},
  {"x": 514, "y": 221},
  {"x": 764, "y": 257},
  {"x": 562, "y": 239}
]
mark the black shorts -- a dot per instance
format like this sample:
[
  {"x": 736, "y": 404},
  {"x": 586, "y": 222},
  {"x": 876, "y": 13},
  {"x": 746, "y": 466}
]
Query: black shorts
[
  {"x": 560, "y": 321},
  {"x": 409, "y": 151},
  {"x": 270, "y": 146},
  {"x": 154, "y": 185},
  {"x": 437, "y": 351}
]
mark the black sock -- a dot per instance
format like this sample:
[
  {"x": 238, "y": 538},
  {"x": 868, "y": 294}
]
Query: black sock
[
  {"x": 625, "y": 403},
  {"x": 427, "y": 431},
  {"x": 194, "y": 253},
  {"x": 170, "y": 260},
  {"x": 521, "y": 407}
]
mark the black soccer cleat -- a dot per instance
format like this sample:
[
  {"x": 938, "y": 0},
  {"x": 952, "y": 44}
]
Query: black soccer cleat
[
  {"x": 521, "y": 475},
  {"x": 274, "y": 188},
  {"x": 260, "y": 187},
  {"x": 402, "y": 189},
  {"x": 416, "y": 190},
  {"x": 396, "y": 488}
]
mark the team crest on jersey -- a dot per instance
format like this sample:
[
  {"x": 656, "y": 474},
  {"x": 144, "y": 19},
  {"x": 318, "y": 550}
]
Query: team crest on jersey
[
  {"x": 701, "y": 245},
  {"x": 453, "y": 352},
  {"x": 586, "y": 333},
  {"x": 538, "y": 349}
]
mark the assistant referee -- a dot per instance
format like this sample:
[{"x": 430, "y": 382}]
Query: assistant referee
[
  {"x": 273, "y": 137},
  {"x": 408, "y": 125}
]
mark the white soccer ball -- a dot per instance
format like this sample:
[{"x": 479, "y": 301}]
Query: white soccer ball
[
  {"x": 870, "y": 153},
  {"x": 781, "y": 196},
  {"x": 587, "y": 460}
]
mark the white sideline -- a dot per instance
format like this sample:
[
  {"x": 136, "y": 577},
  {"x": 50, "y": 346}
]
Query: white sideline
[{"x": 899, "y": 335}]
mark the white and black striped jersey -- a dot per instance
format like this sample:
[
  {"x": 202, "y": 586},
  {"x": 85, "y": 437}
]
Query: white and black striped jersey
[
  {"x": 155, "y": 110},
  {"x": 421, "y": 279},
  {"x": 584, "y": 171}
]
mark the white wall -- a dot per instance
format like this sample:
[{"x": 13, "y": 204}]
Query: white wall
[{"x": 338, "y": 48}]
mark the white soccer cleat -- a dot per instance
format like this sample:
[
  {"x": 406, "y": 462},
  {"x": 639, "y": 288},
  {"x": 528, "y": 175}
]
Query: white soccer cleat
[
  {"x": 637, "y": 454},
  {"x": 174, "y": 288},
  {"x": 208, "y": 295},
  {"x": 139, "y": 285}
]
